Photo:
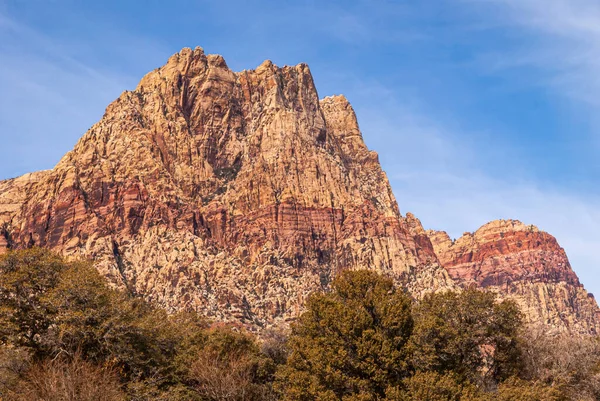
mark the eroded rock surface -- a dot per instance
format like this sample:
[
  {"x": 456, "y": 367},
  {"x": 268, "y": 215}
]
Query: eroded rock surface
[
  {"x": 239, "y": 194},
  {"x": 235, "y": 194},
  {"x": 521, "y": 262}
]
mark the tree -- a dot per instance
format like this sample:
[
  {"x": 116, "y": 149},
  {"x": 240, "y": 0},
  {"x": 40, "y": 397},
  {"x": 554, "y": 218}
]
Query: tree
[
  {"x": 467, "y": 333},
  {"x": 351, "y": 343},
  {"x": 25, "y": 278},
  {"x": 59, "y": 308},
  {"x": 79, "y": 305}
]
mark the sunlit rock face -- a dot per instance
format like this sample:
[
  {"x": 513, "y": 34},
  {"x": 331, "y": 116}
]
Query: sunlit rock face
[
  {"x": 237, "y": 194},
  {"x": 523, "y": 263},
  {"x": 234, "y": 194}
]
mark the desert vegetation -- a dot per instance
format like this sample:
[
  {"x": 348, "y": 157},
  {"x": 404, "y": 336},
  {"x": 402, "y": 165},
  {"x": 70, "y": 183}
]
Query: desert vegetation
[{"x": 66, "y": 335}]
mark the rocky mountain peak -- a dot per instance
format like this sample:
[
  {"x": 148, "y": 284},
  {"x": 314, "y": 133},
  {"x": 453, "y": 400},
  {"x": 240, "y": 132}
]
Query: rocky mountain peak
[
  {"x": 232, "y": 193},
  {"x": 503, "y": 226},
  {"x": 237, "y": 194}
]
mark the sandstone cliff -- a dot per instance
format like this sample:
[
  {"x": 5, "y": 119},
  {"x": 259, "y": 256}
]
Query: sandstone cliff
[
  {"x": 235, "y": 194},
  {"x": 525, "y": 264},
  {"x": 238, "y": 194}
]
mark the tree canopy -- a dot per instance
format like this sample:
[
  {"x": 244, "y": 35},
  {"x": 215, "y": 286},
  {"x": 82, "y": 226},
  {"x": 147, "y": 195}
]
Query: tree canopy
[
  {"x": 350, "y": 342},
  {"x": 467, "y": 333},
  {"x": 64, "y": 331}
]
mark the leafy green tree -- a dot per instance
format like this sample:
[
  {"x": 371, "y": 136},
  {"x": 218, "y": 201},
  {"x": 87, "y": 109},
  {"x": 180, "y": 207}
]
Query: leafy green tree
[
  {"x": 350, "y": 344},
  {"x": 55, "y": 307},
  {"x": 79, "y": 305},
  {"x": 467, "y": 333}
]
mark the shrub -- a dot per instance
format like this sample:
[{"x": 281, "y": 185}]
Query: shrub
[
  {"x": 14, "y": 362},
  {"x": 569, "y": 362},
  {"x": 62, "y": 380},
  {"x": 230, "y": 366}
]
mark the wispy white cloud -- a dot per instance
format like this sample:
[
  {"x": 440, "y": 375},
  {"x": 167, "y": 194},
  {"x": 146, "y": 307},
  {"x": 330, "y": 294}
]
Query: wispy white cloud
[
  {"x": 558, "y": 39},
  {"x": 555, "y": 45},
  {"x": 439, "y": 169}
]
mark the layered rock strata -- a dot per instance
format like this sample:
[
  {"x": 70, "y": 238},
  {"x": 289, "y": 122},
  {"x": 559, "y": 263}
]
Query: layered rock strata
[
  {"x": 521, "y": 262},
  {"x": 239, "y": 194},
  {"x": 234, "y": 194}
]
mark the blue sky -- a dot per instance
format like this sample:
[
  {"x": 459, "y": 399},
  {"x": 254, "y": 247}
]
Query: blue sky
[{"x": 479, "y": 109}]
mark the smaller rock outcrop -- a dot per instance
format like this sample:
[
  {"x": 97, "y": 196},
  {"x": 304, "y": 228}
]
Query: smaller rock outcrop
[{"x": 524, "y": 263}]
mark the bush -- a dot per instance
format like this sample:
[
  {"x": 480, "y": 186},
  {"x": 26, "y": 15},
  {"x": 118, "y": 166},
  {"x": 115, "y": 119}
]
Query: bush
[
  {"x": 569, "y": 362},
  {"x": 230, "y": 366},
  {"x": 14, "y": 362},
  {"x": 62, "y": 380}
]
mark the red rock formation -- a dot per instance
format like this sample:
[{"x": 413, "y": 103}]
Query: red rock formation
[
  {"x": 523, "y": 263},
  {"x": 236, "y": 194}
]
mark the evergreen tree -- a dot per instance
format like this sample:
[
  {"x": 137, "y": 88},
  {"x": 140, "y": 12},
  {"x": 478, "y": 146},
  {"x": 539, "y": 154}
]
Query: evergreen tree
[{"x": 350, "y": 344}]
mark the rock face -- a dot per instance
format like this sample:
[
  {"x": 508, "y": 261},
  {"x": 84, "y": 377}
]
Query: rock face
[
  {"x": 235, "y": 194},
  {"x": 238, "y": 194},
  {"x": 13, "y": 194},
  {"x": 525, "y": 264}
]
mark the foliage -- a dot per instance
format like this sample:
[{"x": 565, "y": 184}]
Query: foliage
[
  {"x": 25, "y": 278},
  {"x": 571, "y": 363},
  {"x": 350, "y": 343},
  {"x": 68, "y": 380},
  {"x": 230, "y": 366},
  {"x": 14, "y": 363},
  {"x": 66, "y": 335},
  {"x": 432, "y": 386},
  {"x": 467, "y": 333},
  {"x": 515, "y": 389},
  {"x": 55, "y": 307}
]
